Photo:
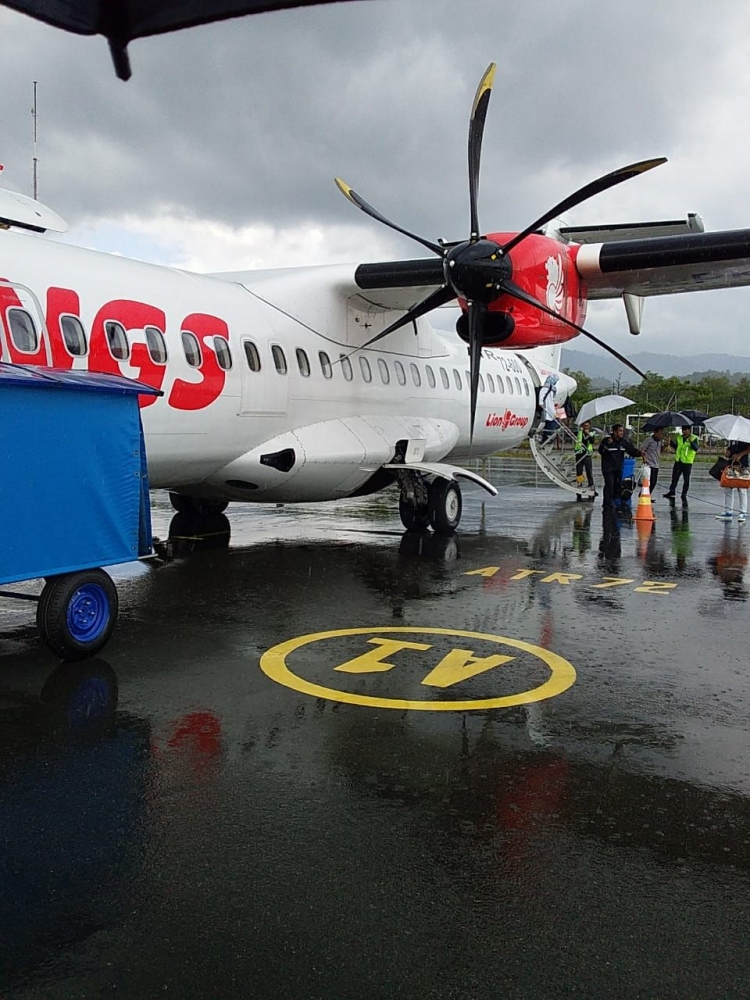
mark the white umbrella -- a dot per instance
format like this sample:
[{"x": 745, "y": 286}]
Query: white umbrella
[
  {"x": 729, "y": 426},
  {"x": 604, "y": 404}
]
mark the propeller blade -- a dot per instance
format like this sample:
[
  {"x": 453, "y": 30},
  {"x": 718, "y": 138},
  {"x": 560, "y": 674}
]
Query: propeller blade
[
  {"x": 433, "y": 301},
  {"x": 511, "y": 288},
  {"x": 587, "y": 191},
  {"x": 477, "y": 313},
  {"x": 361, "y": 204},
  {"x": 476, "y": 132}
]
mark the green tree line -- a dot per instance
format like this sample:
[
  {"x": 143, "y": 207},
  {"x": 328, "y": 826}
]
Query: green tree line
[{"x": 715, "y": 392}]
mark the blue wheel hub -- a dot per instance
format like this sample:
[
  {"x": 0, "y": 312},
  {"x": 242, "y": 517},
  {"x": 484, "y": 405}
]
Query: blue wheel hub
[{"x": 88, "y": 613}]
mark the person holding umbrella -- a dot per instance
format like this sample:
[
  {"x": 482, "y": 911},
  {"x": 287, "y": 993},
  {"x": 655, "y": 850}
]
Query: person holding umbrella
[
  {"x": 736, "y": 430},
  {"x": 584, "y": 448},
  {"x": 686, "y": 448}
]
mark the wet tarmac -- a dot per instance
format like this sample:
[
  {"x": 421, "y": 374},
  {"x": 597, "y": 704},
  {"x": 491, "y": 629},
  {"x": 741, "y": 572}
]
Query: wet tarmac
[{"x": 177, "y": 819}]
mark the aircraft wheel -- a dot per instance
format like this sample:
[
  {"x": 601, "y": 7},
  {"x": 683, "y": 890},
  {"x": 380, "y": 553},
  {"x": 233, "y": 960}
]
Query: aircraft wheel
[
  {"x": 192, "y": 505},
  {"x": 445, "y": 506},
  {"x": 413, "y": 518},
  {"x": 77, "y": 613}
]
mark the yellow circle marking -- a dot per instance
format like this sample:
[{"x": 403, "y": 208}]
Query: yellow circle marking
[{"x": 563, "y": 675}]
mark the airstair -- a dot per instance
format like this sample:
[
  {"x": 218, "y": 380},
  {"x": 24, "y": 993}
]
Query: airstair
[{"x": 554, "y": 452}]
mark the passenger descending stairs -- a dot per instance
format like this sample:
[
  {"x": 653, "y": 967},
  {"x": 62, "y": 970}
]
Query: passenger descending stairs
[{"x": 555, "y": 456}]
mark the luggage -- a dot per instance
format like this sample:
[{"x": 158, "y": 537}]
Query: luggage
[{"x": 718, "y": 467}]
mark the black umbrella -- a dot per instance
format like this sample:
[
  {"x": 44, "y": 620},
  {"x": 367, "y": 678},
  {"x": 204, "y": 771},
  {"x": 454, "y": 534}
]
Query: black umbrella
[
  {"x": 120, "y": 21},
  {"x": 695, "y": 416},
  {"x": 669, "y": 418}
]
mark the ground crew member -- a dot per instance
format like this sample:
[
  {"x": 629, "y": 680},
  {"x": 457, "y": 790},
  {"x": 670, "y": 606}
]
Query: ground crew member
[
  {"x": 686, "y": 447},
  {"x": 584, "y": 448},
  {"x": 613, "y": 450},
  {"x": 651, "y": 452}
]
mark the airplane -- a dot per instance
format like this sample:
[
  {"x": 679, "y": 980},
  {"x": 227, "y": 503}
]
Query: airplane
[{"x": 318, "y": 383}]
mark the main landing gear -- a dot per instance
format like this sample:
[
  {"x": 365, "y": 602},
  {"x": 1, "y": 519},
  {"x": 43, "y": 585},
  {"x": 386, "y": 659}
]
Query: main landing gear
[
  {"x": 194, "y": 505},
  {"x": 423, "y": 505}
]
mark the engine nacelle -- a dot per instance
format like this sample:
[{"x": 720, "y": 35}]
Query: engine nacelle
[{"x": 498, "y": 326}]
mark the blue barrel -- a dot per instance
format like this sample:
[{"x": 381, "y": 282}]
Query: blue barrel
[{"x": 628, "y": 468}]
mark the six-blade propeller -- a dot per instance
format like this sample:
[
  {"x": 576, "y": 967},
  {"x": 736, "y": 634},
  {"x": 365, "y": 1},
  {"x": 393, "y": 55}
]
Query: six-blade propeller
[{"x": 479, "y": 270}]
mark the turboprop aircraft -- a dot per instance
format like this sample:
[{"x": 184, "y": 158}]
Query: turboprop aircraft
[{"x": 319, "y": 383}]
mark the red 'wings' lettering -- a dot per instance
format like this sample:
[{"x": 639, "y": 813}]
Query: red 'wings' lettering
[
  {"x": 60, "y": 302},
  {"x": 8, "y": 300},
  {"x": 196, "y": 395},
  {"x": 133, "y": 316}
]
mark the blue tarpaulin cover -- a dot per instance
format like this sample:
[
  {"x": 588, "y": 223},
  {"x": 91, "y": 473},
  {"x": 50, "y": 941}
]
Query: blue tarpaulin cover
[{"x": 73, "y": 481}]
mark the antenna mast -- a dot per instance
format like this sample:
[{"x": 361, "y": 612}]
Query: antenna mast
[{"x": 34, "y": 158}]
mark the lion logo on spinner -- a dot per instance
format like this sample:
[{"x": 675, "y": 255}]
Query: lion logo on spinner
[{"x": 555, "y": 283}]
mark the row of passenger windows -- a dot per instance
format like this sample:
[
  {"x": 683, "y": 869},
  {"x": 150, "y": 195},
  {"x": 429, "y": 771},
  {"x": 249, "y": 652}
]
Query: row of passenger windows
[
  {"x": 512, "y": 385},
  {"x": 25, "y": 337}
]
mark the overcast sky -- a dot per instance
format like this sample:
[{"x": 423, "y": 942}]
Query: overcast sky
[{"x": 220, "y": 152}]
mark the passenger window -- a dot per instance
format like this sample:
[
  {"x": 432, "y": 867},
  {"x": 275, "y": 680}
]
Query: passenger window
[
  {"x": 444, "y": 378},
  {"x": 223, "y": 353},
  {"x": 481, "y": 383},
  {"x": 157, "y": 348},
  {"x": 74, "y": 336},
  {"x": 415, "y": 376},
  {"x": 303, "y": 362},
  {"x": 117, "y": 341},
  {"x": 509, "y": 383},
  {"x": 325, "y": 364},
  {"x": 22, "y": 330},
  {"x": 526, "y": 387},
  {"x": 346, "y": 367},
  {"x": 252, "y": 356},
  {"x": 491, "y": 383},
  {"x": 518, "y": 386},
  {"x": 400, "y": 373},
  {"x": 279, "y": 359},
  {"x": 385, "y": 375},
  {"x": 457, "y": 378},
  {"x": 364, "y": 365},
  {"x": 192, "y": 348},
  {"x": 430, "y": 376}
]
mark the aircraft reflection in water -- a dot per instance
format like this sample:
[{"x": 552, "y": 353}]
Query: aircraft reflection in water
[
  {"x": 72, "y": 808},
  {"x": 230, "y": 810}
]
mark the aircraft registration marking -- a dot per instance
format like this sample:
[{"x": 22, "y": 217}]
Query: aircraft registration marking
[
  {"x": 661, "y": 587},
  {"x": 440, "y": 668}
]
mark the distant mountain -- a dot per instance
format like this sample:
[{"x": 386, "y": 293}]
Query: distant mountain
[{"x": 602, "y": 366}]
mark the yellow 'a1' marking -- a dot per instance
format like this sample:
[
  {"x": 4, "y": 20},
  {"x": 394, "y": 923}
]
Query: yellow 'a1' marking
[
  {"x": 372, "y": 662},
  {"x": 460, "y": 665}
]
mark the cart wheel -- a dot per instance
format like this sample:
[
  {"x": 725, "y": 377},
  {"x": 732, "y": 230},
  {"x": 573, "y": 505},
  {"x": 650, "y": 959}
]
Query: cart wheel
[{"x": 77, "y": 613}]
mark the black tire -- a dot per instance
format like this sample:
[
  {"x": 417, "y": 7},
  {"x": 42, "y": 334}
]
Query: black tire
[
  {"x": 445, "y": 506},
  {"x": 182, "y": 504},
  {"x": 413, "y": 518},
  {"x": 193, "y": 505},
  {"x": 77, "y": 613}
]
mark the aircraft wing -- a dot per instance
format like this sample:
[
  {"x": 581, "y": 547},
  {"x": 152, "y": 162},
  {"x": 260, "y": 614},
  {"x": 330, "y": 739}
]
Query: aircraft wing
[{"x": 666, "y": 265}]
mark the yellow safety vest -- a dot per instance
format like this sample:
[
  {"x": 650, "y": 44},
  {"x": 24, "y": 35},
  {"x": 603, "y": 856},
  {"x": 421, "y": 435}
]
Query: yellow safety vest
[{"x": 685, "y": 453}]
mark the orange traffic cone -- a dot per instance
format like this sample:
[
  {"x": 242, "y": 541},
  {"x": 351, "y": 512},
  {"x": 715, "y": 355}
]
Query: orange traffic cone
[{"x": 645, "y": 510}]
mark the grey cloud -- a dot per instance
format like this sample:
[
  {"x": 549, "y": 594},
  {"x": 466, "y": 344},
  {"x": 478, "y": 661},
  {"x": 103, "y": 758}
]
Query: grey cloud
[{"x": 248, "y": 121}]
